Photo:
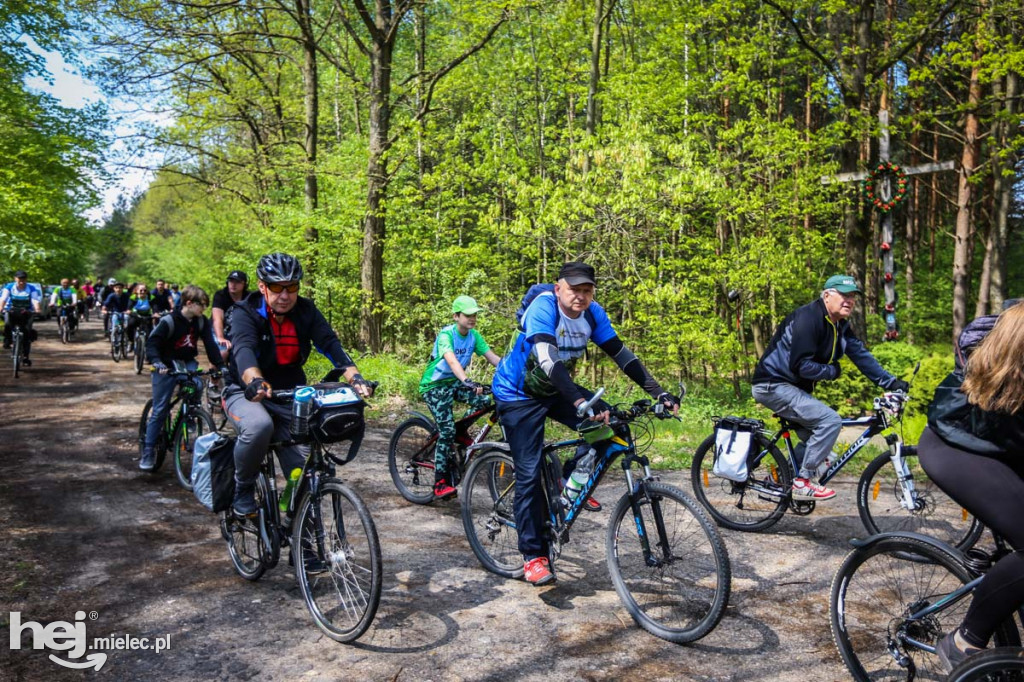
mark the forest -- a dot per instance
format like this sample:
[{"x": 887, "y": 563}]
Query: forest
[{"x": 410, "y": 151}]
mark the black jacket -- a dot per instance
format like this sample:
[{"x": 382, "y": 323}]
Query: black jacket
[
  {"x": 806, "y": 348},
  {"x": 252, "y": 342},
  {"x": 176, "y": 338},
  {"x": 968, "y": 427}
]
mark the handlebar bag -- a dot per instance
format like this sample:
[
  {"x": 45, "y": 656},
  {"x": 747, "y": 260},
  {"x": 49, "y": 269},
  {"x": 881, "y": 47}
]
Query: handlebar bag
[
  {"x": 213, "y": 471},
  {"x": 339, "y": 414},
  {"x": 734, "y": 437}
]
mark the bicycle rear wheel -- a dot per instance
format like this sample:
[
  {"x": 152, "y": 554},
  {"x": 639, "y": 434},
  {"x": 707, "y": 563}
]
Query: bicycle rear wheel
[
  {"x": 140, "y": 354},
  {"x": 252, "y": 546},
  {"x": 487, "y": 502},
  {"x": 678, "y": 593},
  {"x": 411, "y": 459},
  {"x": 879, "y": 497},
  {"x": 195, "y": 423},
  {"x": 753, "y": 505},
  {"x": 1002, "y": 664},
  {"x": 337, "y": 560},
  {"x": 873, "y": 593}
]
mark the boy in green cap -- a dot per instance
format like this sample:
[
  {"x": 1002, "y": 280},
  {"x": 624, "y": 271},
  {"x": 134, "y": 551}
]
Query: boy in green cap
[{"x": 445, "y": 381}]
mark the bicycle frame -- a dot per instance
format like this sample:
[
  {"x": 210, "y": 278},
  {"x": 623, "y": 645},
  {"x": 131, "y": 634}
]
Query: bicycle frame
[{"x": 462, "y": 425}]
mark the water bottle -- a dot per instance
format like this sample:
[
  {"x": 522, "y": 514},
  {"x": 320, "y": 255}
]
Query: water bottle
[
  {"x": 302, "y": 405},
  {"x": 580, "y": 475},
  {"x": 289, "y": 490}
]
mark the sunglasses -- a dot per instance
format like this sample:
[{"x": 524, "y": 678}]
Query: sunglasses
[{"x": 278, "y": 288}]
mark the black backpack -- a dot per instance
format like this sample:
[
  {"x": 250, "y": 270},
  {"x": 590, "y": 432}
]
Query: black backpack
[{"x": 974, "y": 333}]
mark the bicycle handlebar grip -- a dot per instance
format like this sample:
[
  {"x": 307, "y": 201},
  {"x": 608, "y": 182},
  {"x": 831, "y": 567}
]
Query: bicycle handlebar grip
[{"x": 586, "y": 408}]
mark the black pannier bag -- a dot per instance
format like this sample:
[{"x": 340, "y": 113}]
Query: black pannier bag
[{"x": 339, "y": 416}]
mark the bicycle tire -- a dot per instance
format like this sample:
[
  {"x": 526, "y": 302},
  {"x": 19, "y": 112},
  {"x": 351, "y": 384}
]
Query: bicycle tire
[
  {"x": 487, "y": 504},
  {"x": 65, "y": 334},
  {"x": 140, "y": 354},
  {"x": 751, "y": 506},
  {"x": 16, "y": 353},
  {"x": 938, "y": 516},
  {"x": 682, "y": 599},
  {"x": 411, "y": 460},
  {"x": 873, "y": 591},
  {"x": 247, "y": 537},
  {"x": 115, "y": 346},
  {"x": 1002, "y": 664},
  {"x": 195, "y": 423},
  {"x": 341, "y": 586}
]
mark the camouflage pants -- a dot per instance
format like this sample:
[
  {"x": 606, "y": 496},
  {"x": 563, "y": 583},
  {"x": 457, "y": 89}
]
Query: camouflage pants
[{"x": 440, "y": 400}]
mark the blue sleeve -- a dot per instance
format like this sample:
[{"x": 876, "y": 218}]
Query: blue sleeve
[
  {"x": 540, "y": 318},
  {"x": 865, "y": 361},
  {"x": 603, "y": 330}
]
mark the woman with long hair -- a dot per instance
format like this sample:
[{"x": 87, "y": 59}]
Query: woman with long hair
[{"x": 973, "y": 449}]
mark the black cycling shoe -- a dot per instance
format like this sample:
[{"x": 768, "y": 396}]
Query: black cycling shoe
[
  {"x": 28, "y": 363},
  {"x": 244, "y": 503}
]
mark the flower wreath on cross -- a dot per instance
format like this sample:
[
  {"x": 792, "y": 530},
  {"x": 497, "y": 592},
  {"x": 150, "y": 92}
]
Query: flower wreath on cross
[{"x": 899, "y": 185}]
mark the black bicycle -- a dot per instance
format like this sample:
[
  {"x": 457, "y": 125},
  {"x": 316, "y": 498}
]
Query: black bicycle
[
  {"x": 666, "y": 559},
  {"x": 186, "y": 420},
  {"x": 333, "y": 540},
  {"x": 17, "y": 348},
  {"x": 893, "y": 494},
  {"x": 412, "y": 446},
  {"x": 896, "y": 595},
  {"x": 142, "y": 330},
  {"x": 1002, "y": 664},
  {"x": 118, "y": 343},
  {"x": 214, "y": 390}
]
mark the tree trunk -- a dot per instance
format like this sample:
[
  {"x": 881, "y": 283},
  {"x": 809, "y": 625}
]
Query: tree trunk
[
  {"x": 595, "y": 74},
  {"x": 965, "y": 198},
  {"x": 1003, "y": 191},
  {"x": 311, "y": 100}
]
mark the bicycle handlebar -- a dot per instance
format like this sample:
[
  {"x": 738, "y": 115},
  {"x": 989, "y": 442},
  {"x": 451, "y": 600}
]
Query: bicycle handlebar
[
  {"x": 284, "y": 397},
  {"x": 586, "y": 408}
]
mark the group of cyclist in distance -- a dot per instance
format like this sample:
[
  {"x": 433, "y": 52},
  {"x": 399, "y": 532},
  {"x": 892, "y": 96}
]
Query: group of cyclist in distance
[{"x": 261, "y": 339}]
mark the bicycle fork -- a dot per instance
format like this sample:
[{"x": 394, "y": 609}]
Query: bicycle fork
[
  {"x": 638, "y": 491},
  {"x": 908, "y": 493}
]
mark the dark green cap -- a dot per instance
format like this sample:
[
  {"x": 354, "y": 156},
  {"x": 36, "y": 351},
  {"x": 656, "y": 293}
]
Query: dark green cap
[{"x": 844, "y": 284}]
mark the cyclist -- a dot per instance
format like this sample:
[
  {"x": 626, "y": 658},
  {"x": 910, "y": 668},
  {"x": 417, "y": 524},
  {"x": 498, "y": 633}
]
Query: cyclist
[
  {"x": 972, "y": 449},
  {"x": 102, "y": 297},
  {"x": 175, "y": 297},
  {"x": 445, "y": 381},
  {"x": 88, "y": 298},
  {"x": 66, "y": 298},
  {"x": 273, "y": 331},
  {"x": 804, "y": 350},
  {"x": 235, "y": 289},
  {"x": 161, "y": 299},
  {"x": 140, "y": 311},
  {"x": 19, "y": 300},
  {"x": 174, "y": 343},
  {"x": 115, "y": 306},
  {"x": 532, "y": 383}
]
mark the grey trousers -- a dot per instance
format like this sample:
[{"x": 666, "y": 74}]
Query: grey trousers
[
  {"x": 257, "y": 428},
  {"x": 821, "y": 424}
]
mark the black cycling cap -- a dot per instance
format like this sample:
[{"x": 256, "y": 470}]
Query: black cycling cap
[
  {"x": 20, "y": 274},
  {"x": 238, "y": 276},
  {"x": 577, "y": 272}
]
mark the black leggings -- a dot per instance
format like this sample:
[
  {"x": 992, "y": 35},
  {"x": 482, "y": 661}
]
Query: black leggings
[{"x": 993, "y": 490}]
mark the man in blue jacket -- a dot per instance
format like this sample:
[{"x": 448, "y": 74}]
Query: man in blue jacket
[{"x": 804, "y": 350}]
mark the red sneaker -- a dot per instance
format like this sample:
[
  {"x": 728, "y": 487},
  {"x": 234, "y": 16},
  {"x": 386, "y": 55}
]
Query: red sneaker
[
  {"x": 592, "y": 505},
  {"x": 538, "y": 572},
  {"x": 442, "y": 490},
  {"x": 806, "y": 489}
]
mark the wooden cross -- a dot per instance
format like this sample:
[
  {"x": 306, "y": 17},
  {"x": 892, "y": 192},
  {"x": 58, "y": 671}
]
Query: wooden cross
[{"x": 885, "y": 193}]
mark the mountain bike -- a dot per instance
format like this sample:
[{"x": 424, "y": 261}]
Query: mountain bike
[
  {"x": 893, "y": 493},
  {"x": 118, "y": 347},
  {"x": 666, "y": 559},
  {"x": 1002, "y": 664},
  {"x": 334, "y": 546},
  {"x": 142, "y": 331},
  {"x": 896, "y": 595},
  {"x": 64, "y": 320},
  {"x": 186, "y": 420},
  {"x": 412, "y": 446}
]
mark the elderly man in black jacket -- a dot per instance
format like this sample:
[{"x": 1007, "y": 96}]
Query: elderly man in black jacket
[
  {"x": 273, "y": 331},
  {"x": 804, "y": 350}
]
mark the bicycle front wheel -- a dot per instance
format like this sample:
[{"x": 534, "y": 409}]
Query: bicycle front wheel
[
  {"x": 1002, "y": 664},
  {"x": 337, "y": 560},
  {"x": 115, "y": 347},
  {"x": 874, "y": 593},
  {"x": 143, "y": 424},
  {"x": 195, "y": 423},
  {"x": 678, "y": 590},
  {"x": 411, "y": 460},
  {"x": 880, "y": 502},
  {"x": 488, "y": 516},
  {"x": 140, "y": 354},
  {"x": 752, "y": 505},
  {"x": 16, "y": 354}
]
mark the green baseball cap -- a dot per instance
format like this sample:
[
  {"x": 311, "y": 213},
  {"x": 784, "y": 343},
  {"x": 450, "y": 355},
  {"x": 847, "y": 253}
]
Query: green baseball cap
[
  {"x": 844, "y": 284},
  {"x": 465, "y": 305}
]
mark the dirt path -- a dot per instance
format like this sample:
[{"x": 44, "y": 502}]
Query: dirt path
[{"x": 81, "y": 529}]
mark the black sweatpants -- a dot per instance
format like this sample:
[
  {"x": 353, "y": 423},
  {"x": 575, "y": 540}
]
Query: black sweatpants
[{"x": 993, "y": 490}]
